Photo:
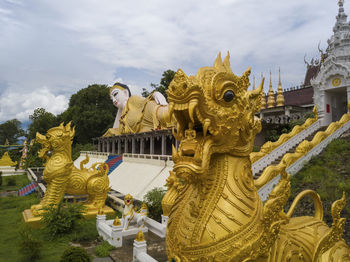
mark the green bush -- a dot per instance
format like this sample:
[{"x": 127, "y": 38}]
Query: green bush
[
  {"x": 84, "y": 232},
  {"x": 103, "y": 249},
  {"x": 153, "y": 199},
  {"x": 62, "y": 218},
  {"x": 81, "y": 147},
  {"x": 75, "y": 254},
  {"x": 11, "y": 181},
  {"x": 28, "y": 246}
]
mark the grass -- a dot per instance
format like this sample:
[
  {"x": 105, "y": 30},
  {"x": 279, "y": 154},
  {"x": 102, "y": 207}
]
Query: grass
[
  {"x": 329, "y": 175},
  {"x": 21, "y": 181},
  {"x": 11, "y": 224}
]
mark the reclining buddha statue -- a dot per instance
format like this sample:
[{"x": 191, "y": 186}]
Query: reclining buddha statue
[
  {"x": 137, "y": 114},
  {"x": 215, "y": 213}
]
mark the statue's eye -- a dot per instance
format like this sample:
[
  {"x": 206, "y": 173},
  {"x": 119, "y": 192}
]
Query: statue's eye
[{"x": 228, "y": 96}]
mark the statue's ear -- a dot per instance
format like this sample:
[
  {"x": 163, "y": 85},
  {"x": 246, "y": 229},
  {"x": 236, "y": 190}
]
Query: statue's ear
[{"x": 126, "y": 92}]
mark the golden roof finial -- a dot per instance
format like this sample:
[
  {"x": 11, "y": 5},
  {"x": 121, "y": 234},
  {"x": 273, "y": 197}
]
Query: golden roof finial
[
  {"x": 253, "y": 82},
  {"x": 263, "y": 98},
  {"x": 280, "y": 97},
  {"x": 116, "y": 221},
  {"x": 140, "y": 236},
  {"x": 271, "y": 96}
]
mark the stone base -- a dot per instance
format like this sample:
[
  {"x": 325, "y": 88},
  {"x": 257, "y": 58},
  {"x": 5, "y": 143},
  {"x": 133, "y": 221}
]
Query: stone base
[
  {"x": 35, "y": 222},
  {"x": 30, "y": 219},
  {"x": 93, "y": 212}
]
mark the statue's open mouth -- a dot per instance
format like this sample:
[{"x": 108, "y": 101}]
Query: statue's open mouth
[{"x": 196, "y": 132}]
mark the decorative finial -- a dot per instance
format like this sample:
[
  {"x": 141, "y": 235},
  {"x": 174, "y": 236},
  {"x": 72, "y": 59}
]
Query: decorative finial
[
  {"x": 117, "y": 222},
  {"x": 253, "y": 82},
  {"x": 280, "y": 97},
  {"x": 140, "y": 237},
  {"x": 271, "y": 96}
]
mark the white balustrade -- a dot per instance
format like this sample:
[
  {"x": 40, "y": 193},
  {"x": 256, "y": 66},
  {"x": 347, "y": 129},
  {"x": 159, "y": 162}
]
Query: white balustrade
[
  {"x": 265, "y": 161},
  {"x": 298, "y": 165}
]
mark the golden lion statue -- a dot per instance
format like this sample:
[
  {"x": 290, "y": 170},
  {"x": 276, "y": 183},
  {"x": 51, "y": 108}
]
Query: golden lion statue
[
  {"x": 63, "y": 177},
  {"x": 215, "y": 213}
]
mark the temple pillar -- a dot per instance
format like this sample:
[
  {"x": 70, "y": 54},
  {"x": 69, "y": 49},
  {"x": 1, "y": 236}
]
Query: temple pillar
[
  {"x": 99, "y": 147},
  {"x": 177, "y": 143},
  {"x": 119, "y": 141},
  {"x": 113, "y": 145},
  {"x": 108, "y": 146},
  {"x": 163, "y": 145},
  {"x": 142, "y": 145},
  {"x": 151, "y": 150},
  {"x": 126, "y": 145},
  {"x": 133, "y": 145}
]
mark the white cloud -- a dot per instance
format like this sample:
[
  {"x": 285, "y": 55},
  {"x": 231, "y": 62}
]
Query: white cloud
[
  {"x": 67, "y": 45},
  {"x": 16, "y": 104}
]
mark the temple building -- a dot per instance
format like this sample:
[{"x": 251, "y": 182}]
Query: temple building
[
  {"x": 332, "y": 83},
  {"x": 326, "y": 85},
  {"x": 288, "y": 104}
]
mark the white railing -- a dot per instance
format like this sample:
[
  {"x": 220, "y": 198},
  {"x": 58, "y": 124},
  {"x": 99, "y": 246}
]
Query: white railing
[
  {"x": 160, "y": 160},
  {"x": 282, "y": 149},
  {"x": 148, "y": 156},
  {"x": 298, "y": 165},
  {"x": 95, "y": 153}
]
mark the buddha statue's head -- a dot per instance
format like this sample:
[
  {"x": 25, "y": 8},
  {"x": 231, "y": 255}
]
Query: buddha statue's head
[{"x": 119, "y": 94}]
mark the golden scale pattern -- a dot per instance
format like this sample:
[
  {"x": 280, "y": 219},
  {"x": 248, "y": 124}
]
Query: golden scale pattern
[
  {"x": 215, "y": 213},
  {"x": 63, "y": 177}
]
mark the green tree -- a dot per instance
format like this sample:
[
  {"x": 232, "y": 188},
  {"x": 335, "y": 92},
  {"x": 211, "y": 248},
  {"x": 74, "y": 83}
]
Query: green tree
[
  {"x": 91, "y": 112},
  {"x": 11, "y": 130},
  {"x": 167, "y": 77},
  {"x": 41, "y": 122}
]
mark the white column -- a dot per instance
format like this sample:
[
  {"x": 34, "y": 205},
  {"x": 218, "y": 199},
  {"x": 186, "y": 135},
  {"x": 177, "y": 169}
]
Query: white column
[
  {"x": 100, "y": 219},
  {"x": 165, "y": 220},
  {"x": 139, "y": 247},
  {"x": 142, "y": 145},
  {"x": 117, "y": 236},
  {"x": 348, "y": 96},
  {"x": 163, "y": 145},
  {"x": 133, "y": 145},
  {"x": 151, "y": 143},
  {"x": 119, "y": 146}
]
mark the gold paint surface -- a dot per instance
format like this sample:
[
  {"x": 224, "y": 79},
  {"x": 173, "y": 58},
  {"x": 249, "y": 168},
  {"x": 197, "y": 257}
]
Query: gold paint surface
[
  {"x": 215, "y": 213},
  {"x": 62, "y": 177},
  {"x": 6, "y": 160},
  {"x": 336, "y": 82},
  {"x": 141, "y": 115}
]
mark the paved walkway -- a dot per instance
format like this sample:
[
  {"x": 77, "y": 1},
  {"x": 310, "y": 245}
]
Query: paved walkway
[{"x": 155, "y": 248}]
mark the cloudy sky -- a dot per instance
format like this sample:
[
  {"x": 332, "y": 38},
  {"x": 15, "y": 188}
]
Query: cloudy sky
[{"x": 51, "y": 49}]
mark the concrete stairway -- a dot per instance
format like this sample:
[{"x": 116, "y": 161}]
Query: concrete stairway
[{"x": 292, "y": 150}]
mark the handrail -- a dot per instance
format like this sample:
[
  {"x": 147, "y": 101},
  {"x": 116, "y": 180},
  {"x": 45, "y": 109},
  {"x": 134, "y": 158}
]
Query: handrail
[
  {"x": 269, "y": 146},
  {"x": 94, "y": 153},
  {"x": 266, "y": 160},
  {"x": 303, "y": 148},
  {"x": 148, "y": 156}
]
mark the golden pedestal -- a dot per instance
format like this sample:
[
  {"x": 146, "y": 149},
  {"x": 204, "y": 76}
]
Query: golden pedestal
[{"x": 35, "y": 221}]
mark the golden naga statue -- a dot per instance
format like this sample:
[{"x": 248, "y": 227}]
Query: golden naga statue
[
  {"x": 62, "y": 176},
  {"x": 137, "y": 114},
  {"x": 215, "y": 213}
]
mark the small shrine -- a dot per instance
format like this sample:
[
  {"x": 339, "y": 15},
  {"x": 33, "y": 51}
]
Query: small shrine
[{"x": 6, "y": 161}]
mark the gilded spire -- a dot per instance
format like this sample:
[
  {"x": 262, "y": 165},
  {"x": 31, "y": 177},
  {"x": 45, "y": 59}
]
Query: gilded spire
[
  {"x": 140, "y": 237},
  {"x": 263, "y": 98},
  {"x": 253, "y": 82},
  {"x": 280, "y": 97},
  {"x": 271, "y": 96}
]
